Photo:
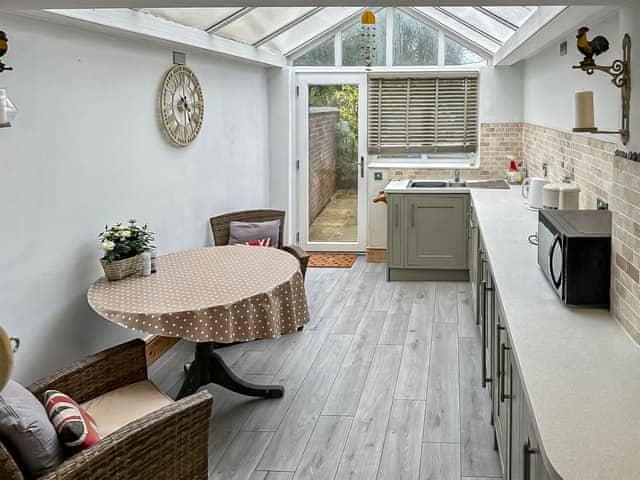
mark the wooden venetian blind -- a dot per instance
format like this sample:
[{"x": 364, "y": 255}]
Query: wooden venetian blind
[{"x": 423, "y": 115}]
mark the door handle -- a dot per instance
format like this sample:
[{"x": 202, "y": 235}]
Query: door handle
[
  {"x": 362, "y": 166},
  {"x": 529, "y": 451},
  {"x": 503, "y": 361},
  {"x": 483, "y": 288},
  {"x": 413, "y": 215},
  {"x": 396, "y": 214}
]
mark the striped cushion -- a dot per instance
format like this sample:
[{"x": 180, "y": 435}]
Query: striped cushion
[
  {"x": 263, "y": 242},
  {"x": 75, "y": 427}
]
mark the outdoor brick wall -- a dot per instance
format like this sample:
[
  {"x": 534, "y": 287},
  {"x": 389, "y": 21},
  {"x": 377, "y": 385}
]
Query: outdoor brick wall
[
  {"x": 600, "y": 174},
  {"x": 498, "y": 143},
  {"x": 322, "y": 158}
]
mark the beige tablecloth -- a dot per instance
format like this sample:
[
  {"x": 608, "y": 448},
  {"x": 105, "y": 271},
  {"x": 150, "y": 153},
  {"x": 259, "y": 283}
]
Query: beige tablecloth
[{"x": 220, "y": 294}]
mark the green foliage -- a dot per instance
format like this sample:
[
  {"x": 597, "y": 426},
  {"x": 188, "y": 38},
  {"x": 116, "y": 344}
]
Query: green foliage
[{"x": 125, "y": 241}]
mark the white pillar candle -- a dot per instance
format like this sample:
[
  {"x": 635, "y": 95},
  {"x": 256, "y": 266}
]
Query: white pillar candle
[
  {"x": 585, "y": 117},
  {"x": 3, "y": 106}
]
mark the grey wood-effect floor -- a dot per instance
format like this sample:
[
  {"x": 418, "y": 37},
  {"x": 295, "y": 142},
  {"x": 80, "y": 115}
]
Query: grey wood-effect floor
[{"x": 384, "y": 383}]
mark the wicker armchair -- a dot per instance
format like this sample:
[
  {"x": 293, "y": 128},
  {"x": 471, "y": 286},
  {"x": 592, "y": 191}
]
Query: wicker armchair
[
  {"x": 169, "y": 443},
  {"x": 220, "y": 227}
]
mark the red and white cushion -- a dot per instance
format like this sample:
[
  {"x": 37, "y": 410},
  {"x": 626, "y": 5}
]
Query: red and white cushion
[
  {"x": 75, "y": 427},
  {"x": 263, "y": 242}
]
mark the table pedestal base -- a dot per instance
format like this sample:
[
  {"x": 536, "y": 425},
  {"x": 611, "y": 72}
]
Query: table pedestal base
[{"x": 209, "y": 367}]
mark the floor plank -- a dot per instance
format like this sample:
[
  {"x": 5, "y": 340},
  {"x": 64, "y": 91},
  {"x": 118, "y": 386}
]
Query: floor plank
[
  {"x": 440, "y": 461},
  {"x": 401, "y": 453},
  {"x": 320, "y": 459},
  {"x": 476, "y": 449},
  {"x": 345, "y": 393},
  {"x": 240, "y": 459},
  {"x": 466, "y": 322},
  {"x": 446, "y": 302},
  {"x": 356, "y": 304},
  {"x": 289, "y": 442},
  {"x": 414, "y": 368},
  {"x": 366, "y": 439},
  {"x": 442, "y": 423},
  {"x": 382, "y": 295}
]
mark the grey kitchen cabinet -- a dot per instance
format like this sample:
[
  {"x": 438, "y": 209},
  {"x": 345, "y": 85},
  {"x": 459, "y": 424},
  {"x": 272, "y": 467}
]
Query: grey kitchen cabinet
[
  {"x": 428, "y": 236},
  {"x": 396, "y": 225},
  {"x": 437, "y": 231}
]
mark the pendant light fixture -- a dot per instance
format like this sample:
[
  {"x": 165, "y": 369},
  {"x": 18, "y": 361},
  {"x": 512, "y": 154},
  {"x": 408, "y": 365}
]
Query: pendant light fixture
[
  {"x": 368, "y": 37},
  {"x": 8, "y": 110}
]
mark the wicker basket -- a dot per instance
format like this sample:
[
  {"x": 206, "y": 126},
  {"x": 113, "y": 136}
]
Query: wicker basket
[{"x": 122, "y": 268}]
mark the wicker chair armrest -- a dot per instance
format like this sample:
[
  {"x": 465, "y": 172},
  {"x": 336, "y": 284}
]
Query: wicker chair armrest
[
  {"x": 98, "y": 374},
  {"x": 300, "y": 254},
  {"x": 9, "y": 470},
  {"x": 168, "y": 444}
]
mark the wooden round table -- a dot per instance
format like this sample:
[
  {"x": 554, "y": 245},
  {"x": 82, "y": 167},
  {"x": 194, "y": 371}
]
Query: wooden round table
[{"x": 211, "y": 296}]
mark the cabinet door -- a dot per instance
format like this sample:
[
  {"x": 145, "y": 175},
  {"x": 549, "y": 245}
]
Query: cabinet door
[
  {"x": 487, "y": 327},
  {"x": 396, "y": 226},
  {"x": 437, "y": 231},
  {"x": 501, "y": 398},
  {"x": 532, "y": 464},
  {"x": 473, "y": 249},
  {"x": 517, "y": 431}
]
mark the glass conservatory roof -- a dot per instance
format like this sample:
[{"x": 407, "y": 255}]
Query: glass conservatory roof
[{"x": 287, "y": 30}]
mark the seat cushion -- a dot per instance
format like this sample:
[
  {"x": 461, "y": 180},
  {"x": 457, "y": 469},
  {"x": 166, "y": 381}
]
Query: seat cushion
[
  {"x": 26, "y": 428},
  {"x": 121, "y": 406},
  {"x": 243, "y": 232}
]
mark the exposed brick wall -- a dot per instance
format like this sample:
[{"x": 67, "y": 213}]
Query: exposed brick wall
[
  {"x": 498, "y": 142},
  {"x": 322, "y": 159},
  {"x": 600, "y": 174}
]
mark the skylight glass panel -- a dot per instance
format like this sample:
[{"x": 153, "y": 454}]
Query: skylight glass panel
[
  {"x": 352, "y": 53},
  {"x": 201, "y": 18},
  {"x": 515, "y": 15},
  {"x": 323, "y": 55},
  {"x": 310, "y": 29},
  {"x": 414, "y": 42},
  {"x": 457, "y": 54},
  {"x": 467, "y": 33},
  {"x": 261, "y": 22},
  {"x": 481, "y": 21}
]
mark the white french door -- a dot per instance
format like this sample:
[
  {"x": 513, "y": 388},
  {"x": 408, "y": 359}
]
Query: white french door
[{"x": 332, "y": 148}]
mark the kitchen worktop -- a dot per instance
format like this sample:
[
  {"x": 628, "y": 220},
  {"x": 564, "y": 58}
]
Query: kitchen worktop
[
  {"x": 402, "y": 186},
  {"x": 580, "y": 370}
]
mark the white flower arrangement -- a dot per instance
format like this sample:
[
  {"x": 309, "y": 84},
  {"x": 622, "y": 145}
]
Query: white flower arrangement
[{"x": 124, "y": 241}]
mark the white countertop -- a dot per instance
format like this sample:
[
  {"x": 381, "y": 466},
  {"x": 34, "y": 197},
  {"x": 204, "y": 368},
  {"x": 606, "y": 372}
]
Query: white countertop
[{"x": 580, "y": 369}]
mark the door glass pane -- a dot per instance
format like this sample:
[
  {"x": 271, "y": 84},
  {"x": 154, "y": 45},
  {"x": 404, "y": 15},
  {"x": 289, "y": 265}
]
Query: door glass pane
[
  {"x": 456, "y": 54},
  {"x": 323, "y": 55},
  {"x": 333, "y": 163},
  {"x": 414, "y": 42},
  {"x": 352, "y": 52}
]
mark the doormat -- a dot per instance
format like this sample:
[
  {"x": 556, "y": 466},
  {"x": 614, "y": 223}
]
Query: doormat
[{"x": 332, "y": 260}]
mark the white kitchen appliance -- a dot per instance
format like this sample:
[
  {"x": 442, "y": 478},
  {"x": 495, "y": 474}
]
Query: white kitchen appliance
[
  {"x": 569, "y": 196},
  {"x": 551, "y": 196},
  {"x": 532, "y": 190}
]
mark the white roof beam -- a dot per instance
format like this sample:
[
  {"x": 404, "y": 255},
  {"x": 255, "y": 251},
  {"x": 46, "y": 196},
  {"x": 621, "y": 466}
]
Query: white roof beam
[
  {"x": 60, "y": 4},
  {"x": 288, "y": 26},
  {"x": 497, "y": 18},
  {"x": 228, "y": 20}
]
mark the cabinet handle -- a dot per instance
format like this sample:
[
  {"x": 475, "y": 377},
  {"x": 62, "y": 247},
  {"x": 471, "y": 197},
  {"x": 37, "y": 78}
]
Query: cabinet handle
[
  {"x": 396, "y": 214},
  {"x": 503, "y": 356},
  {"x": 483, "y": 288},
  {"x": 413, "y": 216},
  {"x": 499, "y": 329},
  {"x": 529, "y": 451}
]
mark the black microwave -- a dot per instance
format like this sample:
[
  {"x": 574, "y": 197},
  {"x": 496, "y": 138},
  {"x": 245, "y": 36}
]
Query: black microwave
[{"x": 574, "y": 252}]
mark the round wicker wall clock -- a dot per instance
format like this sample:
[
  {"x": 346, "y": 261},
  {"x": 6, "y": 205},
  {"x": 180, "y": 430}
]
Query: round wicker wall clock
[{"x": 181, "y": 105}]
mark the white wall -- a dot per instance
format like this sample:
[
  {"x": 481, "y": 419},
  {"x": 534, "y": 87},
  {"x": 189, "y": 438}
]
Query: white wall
[
  {"x": 501, "y": 94},
  {"x": 550, "y": 83},
  {"x": 87, "y": 150}
]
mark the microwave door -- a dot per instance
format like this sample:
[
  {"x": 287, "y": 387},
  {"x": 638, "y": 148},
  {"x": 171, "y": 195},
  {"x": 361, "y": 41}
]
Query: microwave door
[{"x": 556, "y": 267}]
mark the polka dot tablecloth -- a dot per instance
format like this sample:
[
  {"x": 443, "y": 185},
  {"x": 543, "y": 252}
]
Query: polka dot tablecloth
[{"x": 221, "y": 294}]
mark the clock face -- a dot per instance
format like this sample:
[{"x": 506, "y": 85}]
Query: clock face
[{"x": 181, "y": 105}]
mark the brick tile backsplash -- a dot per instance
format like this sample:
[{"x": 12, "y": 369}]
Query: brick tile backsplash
[{"x": 600, "y": 174}]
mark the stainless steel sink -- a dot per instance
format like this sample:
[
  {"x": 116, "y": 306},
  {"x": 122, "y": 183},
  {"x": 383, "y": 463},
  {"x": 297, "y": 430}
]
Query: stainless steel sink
[
  {"x": 428, "y": 184},
  {"x": 489, "y": 184}
]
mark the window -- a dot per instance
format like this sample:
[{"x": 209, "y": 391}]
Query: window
[
  {"x": 456, "y": 54},
  {"x": 414, "y": 42},
  {"x": 322, "y": 55},
  {"x": 423, "y": 115},
  {"x": 352, "y": 54}
]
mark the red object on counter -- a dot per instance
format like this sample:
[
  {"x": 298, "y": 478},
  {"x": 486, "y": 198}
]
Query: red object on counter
[{"x": 513, "y": 166}]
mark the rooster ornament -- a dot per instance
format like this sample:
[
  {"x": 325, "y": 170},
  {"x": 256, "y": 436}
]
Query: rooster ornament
[
  {"x": 592, "y": 48},
  {"x": 4, "y": 46}
]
